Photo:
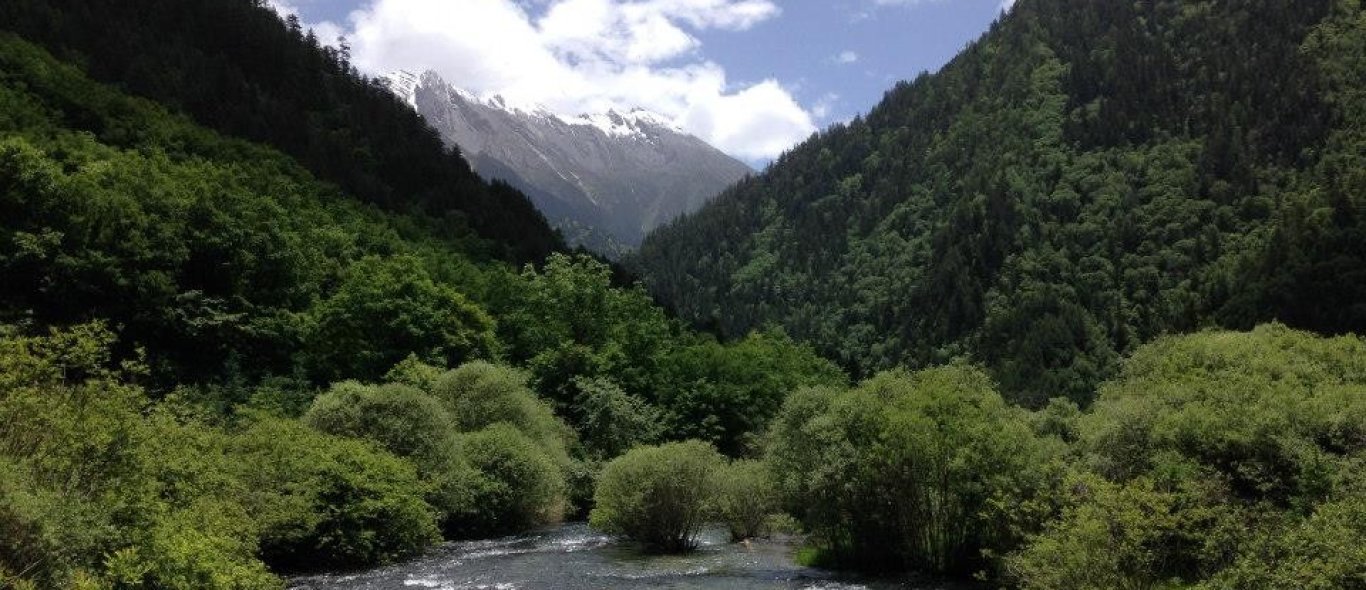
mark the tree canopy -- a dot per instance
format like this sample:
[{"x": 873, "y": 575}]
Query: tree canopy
[{"x": 1085, "y": 177}]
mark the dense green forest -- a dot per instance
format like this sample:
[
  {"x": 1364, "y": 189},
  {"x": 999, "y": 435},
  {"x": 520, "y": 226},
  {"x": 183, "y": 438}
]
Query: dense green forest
[
  {"x": 245, "y": 331},
  {"x": 216, "y": 366},
  {"x": 238, "y": 69},
  {"x": 1084, "y": 178}
]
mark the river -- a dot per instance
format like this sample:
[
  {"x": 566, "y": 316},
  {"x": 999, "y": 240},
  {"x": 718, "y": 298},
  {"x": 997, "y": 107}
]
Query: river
[{"x": 573, "y": 557}]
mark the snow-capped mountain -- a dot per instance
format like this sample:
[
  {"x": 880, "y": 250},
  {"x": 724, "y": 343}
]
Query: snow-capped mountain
[{"x": 605, "y": 179}]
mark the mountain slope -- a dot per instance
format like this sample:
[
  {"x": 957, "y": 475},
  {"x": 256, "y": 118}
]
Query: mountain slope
[
  {"x": 234, "y": 67},
  {"x": 1085, "y": 177},
  {"x": 604, "y": 180}
]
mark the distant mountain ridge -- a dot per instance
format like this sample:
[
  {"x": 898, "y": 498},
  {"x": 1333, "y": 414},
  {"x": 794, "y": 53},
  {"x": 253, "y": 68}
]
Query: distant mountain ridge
[{"x": 604, "y": 179}]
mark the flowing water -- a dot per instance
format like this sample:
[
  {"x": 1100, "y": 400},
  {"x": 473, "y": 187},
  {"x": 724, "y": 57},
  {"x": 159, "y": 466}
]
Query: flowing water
[{"x": 572, "y": 557}]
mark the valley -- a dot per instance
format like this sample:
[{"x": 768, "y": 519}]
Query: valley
[{"x": 1083, "y": 309}]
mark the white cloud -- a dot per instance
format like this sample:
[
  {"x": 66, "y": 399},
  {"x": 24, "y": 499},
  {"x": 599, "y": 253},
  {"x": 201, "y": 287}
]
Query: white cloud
[
  {"x": 824, "y": 105},
  {"x": 578, "y": 56},
  {"x": 846, "y": 57}
]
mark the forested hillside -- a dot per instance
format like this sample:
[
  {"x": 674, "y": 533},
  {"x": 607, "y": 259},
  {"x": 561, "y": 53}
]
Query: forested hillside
[
  {"x": 216, "y": 367},
  {"x": 235, "y": 67},
  {"x": 246, "y": 333},
  {"x": 1084, "y": 178}
]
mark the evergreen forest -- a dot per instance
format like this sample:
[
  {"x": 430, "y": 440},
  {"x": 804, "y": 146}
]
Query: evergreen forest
[{"x": 1083, "y": 310}]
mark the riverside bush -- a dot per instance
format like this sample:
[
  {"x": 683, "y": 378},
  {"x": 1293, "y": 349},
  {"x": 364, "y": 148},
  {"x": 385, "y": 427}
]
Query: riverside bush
[
  {"x": 659, "y": 496},
  {"x": 745, "y": 498},
  {"x": 480, "y": 394},
  {"x": 324, "y": 501},
  {"x": 402, "y": 419},
  {"x": 411, "y": 424},
  {"x": 82, "y": 477},
  {"x": 922, "y": 471},
  {"x": 1223, "y": 459},
  {"x": 517, "y": 486}
]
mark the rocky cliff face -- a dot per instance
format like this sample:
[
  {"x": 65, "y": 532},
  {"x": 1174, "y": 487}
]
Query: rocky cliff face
[{"x": 604, "y": 179}]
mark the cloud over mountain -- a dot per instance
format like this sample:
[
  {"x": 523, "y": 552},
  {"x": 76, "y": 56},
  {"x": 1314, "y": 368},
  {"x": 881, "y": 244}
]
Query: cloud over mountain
[{"x": 576, "y": 56}]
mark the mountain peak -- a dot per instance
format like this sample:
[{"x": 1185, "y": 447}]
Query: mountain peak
[
  {"x": 638, "y": 123},
  {"x": 604, "y": 178},
  {"x": 404, "y": 85}
]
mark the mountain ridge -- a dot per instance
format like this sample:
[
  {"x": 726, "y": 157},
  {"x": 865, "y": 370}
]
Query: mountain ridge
[{"x": 604, "y": 179}]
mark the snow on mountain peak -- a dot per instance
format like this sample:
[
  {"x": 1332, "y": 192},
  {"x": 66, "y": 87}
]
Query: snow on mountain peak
[
  {"x": 634, "y": 123},
  {"x": 404, "y": 85},
  {"x": 630, "y": 124}
]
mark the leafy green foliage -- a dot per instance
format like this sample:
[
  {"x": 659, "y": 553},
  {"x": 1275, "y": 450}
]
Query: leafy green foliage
[
  {"x": 746, "y": 498},
  {"x": 76, "y": 484},
  {"x": 518, "y": 486},
  {"x": 1122, "y": 536},
  {"x": 612, "y": 421},
  {"x": 727, "y": 394},
  {"x": 659, "y": 496},
  {"x": 205, "y": 546},
  {"x": 494, "y": 458},
  {"x": 325, "y": 502},
  {"x": 99, "y": 485},
  {"x": 570, "y": 322},
  {"x": 386, "y": 307},
  {"x": 1325, "y": 551},
  {"x": 586, "y": 330},
  {"x": 403, "y": 420},
  {"x": 1227, "y": 460},
  {"x": 1276, "y": 412},
  {"x": 235, "y": 67},
  {"x": 411, "y": 424},
  {"x": 481, "y": 394},
  {"x": 1084, "y": 178},
  {"x": 925, "y": 471}
]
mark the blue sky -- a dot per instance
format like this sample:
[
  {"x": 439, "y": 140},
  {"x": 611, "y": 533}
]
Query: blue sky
[{"x": 753, "y": 77}]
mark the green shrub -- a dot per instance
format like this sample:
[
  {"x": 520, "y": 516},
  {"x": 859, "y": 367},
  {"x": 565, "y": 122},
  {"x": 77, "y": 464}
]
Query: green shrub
[
  {"x": 401, "y": 419},
  {"x": 1221, "y": 460},
  {"x": 209, "y": 546},
  {"x": 408, "y": 423},
  {"x": 518, "y": 485},
  {"x": 1130, "y": 535},
  {"x": 659, "y": 496},
  {"x": 923, "y": 472},
  {"x": 99, "y": 486},
  {"x": 481, "y": 394},
  {"x": 521, "y": 485},
  {"x": 745, "y": 498},
  {"x": 1326, "y": 551},
  {"x": 27, "y": 543},
  {"x": 1274, "y": 410},
  {"x": 74, "y": 481},
  {"x": 324, "y": 501}
]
